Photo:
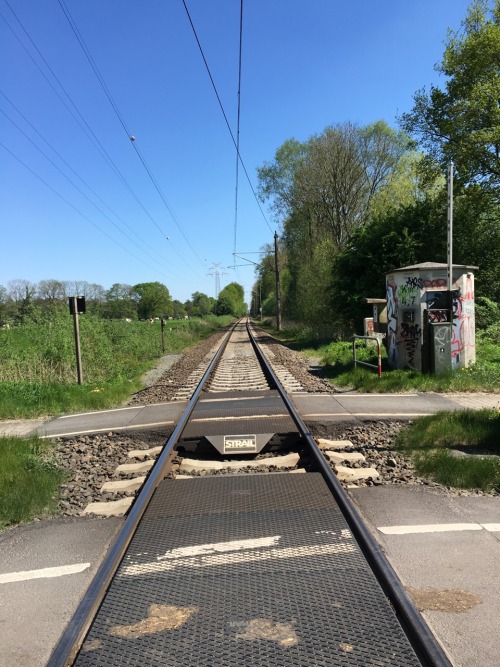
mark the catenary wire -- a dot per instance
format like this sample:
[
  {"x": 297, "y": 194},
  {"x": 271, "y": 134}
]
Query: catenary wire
[
  {"x": 119, "y": 115},
  {"x": 139, "y": 241},
  {"x": 89, "y": 132},
  {"x": 238, "y": 132},
  {"x": 224, "y": 114},
  {"x": 74, "y": 207},
  {"x": 77, "y": 188}
]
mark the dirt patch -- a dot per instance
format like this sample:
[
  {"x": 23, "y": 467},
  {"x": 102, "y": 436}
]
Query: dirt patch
[
  {"x": 161, "y": 617},
  {"x": 263, "y": 628},
  {"x": 450, "y": 600}
]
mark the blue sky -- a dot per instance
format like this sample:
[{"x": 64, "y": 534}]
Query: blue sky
[{"x": 92, "y": 212}]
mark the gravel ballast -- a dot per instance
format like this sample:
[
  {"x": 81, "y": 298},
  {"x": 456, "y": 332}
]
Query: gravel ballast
[{"x": 91, "y": 460}]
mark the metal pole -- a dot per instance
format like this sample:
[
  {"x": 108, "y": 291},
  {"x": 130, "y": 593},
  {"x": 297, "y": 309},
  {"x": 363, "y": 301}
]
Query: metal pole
[
  {"x": 278, "y": 298},
  {"x": 450, "y": 238},
  {"x": 77, "y": 341},
  {"x": 163, "y": 334}
]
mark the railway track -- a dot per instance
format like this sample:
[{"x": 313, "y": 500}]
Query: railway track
[{"x": 229, "y": 557}]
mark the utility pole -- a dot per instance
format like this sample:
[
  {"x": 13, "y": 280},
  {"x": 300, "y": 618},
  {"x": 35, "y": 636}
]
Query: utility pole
[
  {"x": 450, "y": 238},
  {"x": 76, "y": 306},
  {"x": 278, "y": 298}
]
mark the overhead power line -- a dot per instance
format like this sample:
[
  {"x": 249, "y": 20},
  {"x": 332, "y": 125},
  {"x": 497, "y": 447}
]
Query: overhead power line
[
  {"x": 238, "y": 129},
  {"x": 78, "y": 189},
  {"x": 66, "y": 201},
  {"x": 138, "y": 239},
  {"x": 224, "y": 114},
  {"x": 121, "y": 119},
  {"x": 79, "y": 118}
]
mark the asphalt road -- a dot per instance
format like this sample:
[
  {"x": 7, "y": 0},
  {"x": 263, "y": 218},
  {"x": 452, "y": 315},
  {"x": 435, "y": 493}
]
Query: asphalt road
[{"x": 36, "y": 603}]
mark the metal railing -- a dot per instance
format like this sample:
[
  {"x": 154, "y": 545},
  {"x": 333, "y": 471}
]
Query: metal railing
[{"x": 377, "y": 367}]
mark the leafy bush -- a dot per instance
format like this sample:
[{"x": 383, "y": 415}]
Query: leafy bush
[{"x": 487, "y": 314}]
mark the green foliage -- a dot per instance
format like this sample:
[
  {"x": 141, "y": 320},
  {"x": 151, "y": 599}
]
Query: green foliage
[
  {"x": 410, "y": 235},
  {"x": 179, "y": 310},
  {"x": 28, "y": 479},
  {"x": 462, "y": 429},
  {"x": 309, "y": 294},
  {"x": 487, "y": 313},
  {"x": 276, "y": 179},
  {"x": 231, "y": 301},
  {"x": 462, "y": 121},
  {"x": 324, "y": 190},
  {"x": 119, "y": 302},
  {"x": 153, "y": 300},
  {"x": 201, "y": 304},
  {"x": 337, "y": 365}
]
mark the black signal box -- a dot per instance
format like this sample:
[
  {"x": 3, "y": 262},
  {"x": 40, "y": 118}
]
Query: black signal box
[{"x": 80, "y": 305}]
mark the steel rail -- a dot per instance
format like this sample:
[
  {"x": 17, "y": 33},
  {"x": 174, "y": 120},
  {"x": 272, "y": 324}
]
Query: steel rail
[
  {"x": 426, "y": 646},
  {"x": 73, "y": 636}
]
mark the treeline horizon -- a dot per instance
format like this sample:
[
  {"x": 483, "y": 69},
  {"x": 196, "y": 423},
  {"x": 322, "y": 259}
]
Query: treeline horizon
[{"x": 22, "y": 300}]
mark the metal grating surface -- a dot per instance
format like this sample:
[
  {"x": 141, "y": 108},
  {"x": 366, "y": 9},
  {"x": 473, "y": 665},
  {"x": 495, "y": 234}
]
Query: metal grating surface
[
  {"x": 269, "y": 424},
  {"x": 214, "y": 577},
  {"x": 247, "y": 393},
  {"x": 249, "y": 402},
  {"x": 220, "y": 412},
  {"x": 225, "y": 410}
]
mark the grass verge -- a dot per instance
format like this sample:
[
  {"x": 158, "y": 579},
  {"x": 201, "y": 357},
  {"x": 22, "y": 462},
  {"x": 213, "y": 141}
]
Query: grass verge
[
  {"x": 29, "y": 480},
  {"x": 460, "y": 449},
  {"x": 336, "y": 360}
]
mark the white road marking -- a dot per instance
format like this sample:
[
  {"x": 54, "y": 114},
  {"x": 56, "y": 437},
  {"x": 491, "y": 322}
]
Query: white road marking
[
  {"x": 491, "y": 527},
  {"x": 353, "y": 413},
  {"x": 340, "y": 396},
  {"x": 228, "y": 400},
  {"x": 240, "y": 418},
  {"x": 44, "y": 573},
  {"x": 105, "y": 430},
  {"x": 101, "y": 412},
  {"x": 434, "y": 528}
]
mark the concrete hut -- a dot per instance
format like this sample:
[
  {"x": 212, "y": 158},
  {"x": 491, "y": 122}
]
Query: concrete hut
[{"x": 423, "y": 332}]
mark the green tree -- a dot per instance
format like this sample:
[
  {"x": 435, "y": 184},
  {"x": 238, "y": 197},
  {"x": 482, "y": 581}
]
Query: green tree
[
  {"x": 231, "y": 301},
  {"x": 179, "y": 309},
  {"x": 325, "y": 186},
  {"x": 461, "y": 122},
  {"x": 4, "y": 305},
  {"x": 201, "y": 304},
  {"x": 276, "y": 179},
  {"x": 119, "y": 302},
  {"x": 22, "y": 293},
  {"x": 410, "y": 235},
  {"x": 153, "y": 300},
  {"x": 324, "y": 190}
]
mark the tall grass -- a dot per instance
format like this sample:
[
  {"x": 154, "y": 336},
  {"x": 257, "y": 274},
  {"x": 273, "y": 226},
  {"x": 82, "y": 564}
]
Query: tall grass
[
  {"x": 29, "y": 481},
  {"x": 38, "y": 362}
]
